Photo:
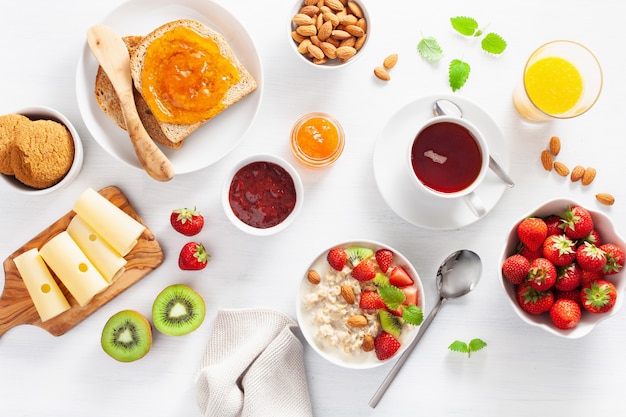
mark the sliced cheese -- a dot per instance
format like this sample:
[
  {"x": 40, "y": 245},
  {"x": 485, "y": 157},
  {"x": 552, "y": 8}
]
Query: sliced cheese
[
  {"x": 71, "y": 265},
  {"x": 47, "y": 297},
  {"x": 116, "y": 227},
  {"x": 108, "y": 262}
]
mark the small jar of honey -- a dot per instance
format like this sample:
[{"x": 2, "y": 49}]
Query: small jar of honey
[{"x": 317, "y": 140}]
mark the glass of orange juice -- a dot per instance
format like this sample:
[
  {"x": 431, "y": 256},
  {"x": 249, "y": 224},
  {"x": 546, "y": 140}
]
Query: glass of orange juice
[
  {"x": 317, "y": 140},
  {"x": 562, "y": 79}
]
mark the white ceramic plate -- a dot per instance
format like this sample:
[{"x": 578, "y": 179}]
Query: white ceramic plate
[
  {"x": 216, "y": 138},
  {"x": 390, "y": 168},
  {"x": 358, "y": 359}
]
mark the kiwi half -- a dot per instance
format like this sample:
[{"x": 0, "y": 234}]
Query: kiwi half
[
  {"x": 390, "y": 323},
  {"x": 178, "y": 310},
  {"x": 357, "y": 254},
  {"x": 127, "y": 336}
]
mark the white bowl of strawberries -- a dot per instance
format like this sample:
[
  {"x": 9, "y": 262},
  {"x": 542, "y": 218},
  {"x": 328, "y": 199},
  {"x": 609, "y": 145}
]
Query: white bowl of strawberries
[
  {"x": 562, "y": 268},
  {"x": 360, "y": 303}
]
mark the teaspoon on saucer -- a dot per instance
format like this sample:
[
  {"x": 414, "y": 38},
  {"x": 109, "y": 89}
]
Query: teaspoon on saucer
[{"x": 447, "y": 107}]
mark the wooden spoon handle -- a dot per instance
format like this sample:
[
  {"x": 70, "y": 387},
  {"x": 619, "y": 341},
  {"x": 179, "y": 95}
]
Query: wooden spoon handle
[{"x": 112, "y": 55}]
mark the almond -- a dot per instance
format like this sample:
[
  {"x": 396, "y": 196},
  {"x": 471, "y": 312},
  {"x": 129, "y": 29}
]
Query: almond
[
  {"x": 368, "y": 343},
  {"x": 348, "y": 20},
  {"x": 334, "y": 4},
  {"x": 307, "y": 30},
  {"x": 325, "y": 30},
  {"x": 555, "y": 145},
  {"x": 347, "y": 293},
  {"x": 340, "y": 34},
  {"x": 357, "y": 321},
  {"x": 331, "y": 17},
  {"x": 303, "y": 47},
  {"x": 329, "y": 50},
  {"x": 313, "y": 277},
  {"x": 344, "y": 53},
  {"x": 311, "y": 10},
  {"x": 588, "y": 176},
  {"x": 577, "y": 173},
  {"x": 302, "y": 19},
  {"x": 546, "y": 160},
  {"x": 561, "y": 169},
  {"x": 355, "y": 9},
  {"x": 315, "y": 51},
  {"x": 359, "y": 42},
  {"x": 390, "y": 61},
  {"x": 605, "y": 198},
  {"x": 382, "y": 74},
  {"x": 354, "y": 30}
]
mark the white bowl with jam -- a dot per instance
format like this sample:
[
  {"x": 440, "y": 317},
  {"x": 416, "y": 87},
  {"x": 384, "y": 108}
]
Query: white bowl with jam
[{"x": 262, "y": 195}]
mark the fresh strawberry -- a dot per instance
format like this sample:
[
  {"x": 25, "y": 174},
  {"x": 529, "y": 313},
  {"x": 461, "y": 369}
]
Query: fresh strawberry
[
  {"x": 337, "y": 258},
  {"x": 410, "y": 294},
  {"x": 573, "y": 295},
  {"x": 186, "y": 221},
  {"x": 515, "y": 268},
  {"x": 193, "y": 257},
  {"x": 400, "y": 277},
  {"x": 589, "y": 276},
  {"x": 384, "y": 258},
  {"x": 590, "y": 257},
  {"x": 593, "y": 237},
  {"x": 559, "y": 249},
  {"x": 531, "y": 255},
  {"x": 385, "y": 345},
  {"x": 577, "y": 222},
  {"x": 598, "y": 296},
  {"x": 532, "y": 232},
  {"x": 554, "y": 222},
  {"x": 533, "y": 301},
  {"x": 542, "y": 274},
  {"x": 371, "y": 300},
  {"x": 568, "y": 277},
  {"x": 565, "y": 314},
  {"x": 614, "y": 258},
  {"x": 364, "y": 271}
]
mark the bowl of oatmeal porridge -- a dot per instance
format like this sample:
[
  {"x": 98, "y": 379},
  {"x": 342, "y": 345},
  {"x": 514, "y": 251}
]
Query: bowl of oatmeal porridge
[{"x": 353, "y": 293}]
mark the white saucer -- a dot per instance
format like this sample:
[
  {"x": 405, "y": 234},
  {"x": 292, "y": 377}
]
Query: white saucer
[
  {"x": 211, "y": 142},
  {"x": 390, "y": 167}
]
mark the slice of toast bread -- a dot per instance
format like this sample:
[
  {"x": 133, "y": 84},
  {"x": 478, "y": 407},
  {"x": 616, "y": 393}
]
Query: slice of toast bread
[
  {"x": 176, "y": 133},
  {"x": 110, "y": 104}
]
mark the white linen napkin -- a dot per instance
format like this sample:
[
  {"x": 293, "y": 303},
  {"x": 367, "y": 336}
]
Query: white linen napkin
[{"x": 253, "y": 366}]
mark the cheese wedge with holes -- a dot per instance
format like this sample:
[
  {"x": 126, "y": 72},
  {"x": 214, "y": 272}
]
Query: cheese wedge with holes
[
  {"x": 73, "y": 268},
  {"x": 116, "y": 227},
  {"x": 47, "y": 297},
  {"x": 106, "y": 260}
]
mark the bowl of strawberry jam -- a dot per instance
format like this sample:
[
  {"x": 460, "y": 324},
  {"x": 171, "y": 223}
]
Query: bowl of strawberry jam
[
  {"x": 317, "y": 140},
  {"x": 262, "y": 195}
]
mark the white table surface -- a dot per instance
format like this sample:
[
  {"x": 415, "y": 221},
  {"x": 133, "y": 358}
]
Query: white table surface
[{"x": 523, "y": 369}]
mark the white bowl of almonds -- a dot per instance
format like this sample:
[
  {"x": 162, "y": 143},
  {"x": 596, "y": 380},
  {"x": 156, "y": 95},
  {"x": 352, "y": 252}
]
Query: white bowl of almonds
[
  {"x": 360, "y": 303},
  {"x": 328, "y": 33}
]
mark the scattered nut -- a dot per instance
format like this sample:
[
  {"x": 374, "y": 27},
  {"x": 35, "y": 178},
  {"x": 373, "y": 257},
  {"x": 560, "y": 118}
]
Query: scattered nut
[
  {"x": 561, "y": 169},
  {"x": 368, "y": 343},
  {"x": 390, "y": 61},
  {"x": 348, "y": 294},
  {"x": 577, "y": 173},
  {"x": 588, "y": 176},
  {"x": 546, "y": 160},
  {"x": 555, "y": 145},
  {"x": 382, "y": 74},
  {"x": 605, "y": 198},
  {"x": 357, "y": 321},
  {"x": 313, "y": 277}
]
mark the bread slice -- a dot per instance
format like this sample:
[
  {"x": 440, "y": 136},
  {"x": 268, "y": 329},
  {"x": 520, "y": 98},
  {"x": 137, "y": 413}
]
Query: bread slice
[
  {"x": 110, "y": 104},
  {"x": 178, "y": 132}
]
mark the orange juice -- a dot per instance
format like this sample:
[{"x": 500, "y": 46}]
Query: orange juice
[{"x": 554, "y": 85}]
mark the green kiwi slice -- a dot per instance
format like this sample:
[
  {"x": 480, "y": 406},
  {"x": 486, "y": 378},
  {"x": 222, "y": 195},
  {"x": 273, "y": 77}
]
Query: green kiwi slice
[
  {"x": 127, "y": 336},
  {"x": 357, "y": 254},
  {"x": 178, "y": 310},
  {"x": 390, "y": 322}
]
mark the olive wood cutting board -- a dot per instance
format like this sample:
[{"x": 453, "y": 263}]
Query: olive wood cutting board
[{"x": 16, "y": 306}]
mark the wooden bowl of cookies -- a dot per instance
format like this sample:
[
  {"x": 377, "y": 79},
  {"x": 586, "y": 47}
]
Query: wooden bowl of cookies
[{"x": 40, "y": 150}]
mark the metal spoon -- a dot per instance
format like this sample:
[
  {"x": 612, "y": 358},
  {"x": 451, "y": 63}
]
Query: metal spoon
[
  {"x": 443, "y": 106},
  {"x": 458, "y": 274}
]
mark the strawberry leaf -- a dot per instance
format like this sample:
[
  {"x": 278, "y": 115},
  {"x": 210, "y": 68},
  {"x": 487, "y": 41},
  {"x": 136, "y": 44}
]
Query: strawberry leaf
[
  {"x": 476, "y": 345},
  {"x": 493, "y": 43},
  {"x": 392, "y": 296},
  {"x": 458, "y": 73},
  {"x": 473, "y": 346},
  {"x": 429, "y": 49},
  {"x": 466, "y": 26},
  {"x": 458, "y": 346},
  {"x": 413, "y": 315}
]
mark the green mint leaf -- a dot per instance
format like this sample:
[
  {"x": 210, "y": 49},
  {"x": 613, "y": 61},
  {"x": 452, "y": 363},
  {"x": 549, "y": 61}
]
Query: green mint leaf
[
  {"x": 429, "y": 49},
  {"x": 392, "y": 296},
  {"x": 458, "y": 346},
  {"x": 476, "y": 345},
  {"x": 493, "y": 44},
  {"x": 413, "y": 315},
  {"x": 381, "y": 279},
  {"x": 458, "y": 73},
  {"x": 466, "y": 26}
]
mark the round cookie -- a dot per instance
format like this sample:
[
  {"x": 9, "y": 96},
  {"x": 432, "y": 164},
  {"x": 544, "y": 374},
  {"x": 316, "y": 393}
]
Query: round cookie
[
  {"x": 8, "y": 124},
  {"x": 43, "y": 151}
]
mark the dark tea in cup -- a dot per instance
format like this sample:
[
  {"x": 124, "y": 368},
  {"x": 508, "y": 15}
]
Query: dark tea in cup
[{"x": 446, "y": 157}]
